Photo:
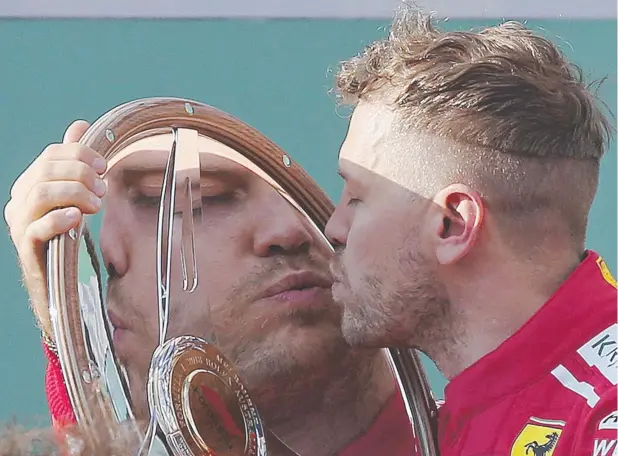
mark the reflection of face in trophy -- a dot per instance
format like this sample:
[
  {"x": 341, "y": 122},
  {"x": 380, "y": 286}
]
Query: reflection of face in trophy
[
  {"x": 263, "y": 286},
  {"x": 214, "y": 301}
]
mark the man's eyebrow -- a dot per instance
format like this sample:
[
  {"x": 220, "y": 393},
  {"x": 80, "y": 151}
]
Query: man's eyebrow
[
  {"x": 207, "y": 171},
  {"x": 342, "y": 174},
  {"x": 217, "y": 168}
]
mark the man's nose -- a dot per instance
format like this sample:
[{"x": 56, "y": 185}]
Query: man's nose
[
  {"x": 113, "y": 245},
  {"x": 280, "y": 228},
  {"x": 337, "y": 228}
]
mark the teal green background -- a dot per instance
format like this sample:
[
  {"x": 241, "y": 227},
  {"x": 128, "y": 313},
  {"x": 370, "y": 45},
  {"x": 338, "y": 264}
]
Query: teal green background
[{"x": 274, "y": 75}]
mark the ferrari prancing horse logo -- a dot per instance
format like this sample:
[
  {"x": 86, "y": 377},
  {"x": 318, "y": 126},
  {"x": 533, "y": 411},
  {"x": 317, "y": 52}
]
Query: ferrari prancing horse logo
[{"x": 538, "y": 438}]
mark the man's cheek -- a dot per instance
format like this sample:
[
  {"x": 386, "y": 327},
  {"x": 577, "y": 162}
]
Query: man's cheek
[
  {"x": 227, "y": 324},
  {"x": 361, "y": 243}
]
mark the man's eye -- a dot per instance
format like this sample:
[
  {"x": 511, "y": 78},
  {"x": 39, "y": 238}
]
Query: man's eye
[
  {"x": 146, "y": 201},
  {"x": 221, "y": 198},
  {"x": 353, "y": 201},
  {"x": 208, "y": 200}
]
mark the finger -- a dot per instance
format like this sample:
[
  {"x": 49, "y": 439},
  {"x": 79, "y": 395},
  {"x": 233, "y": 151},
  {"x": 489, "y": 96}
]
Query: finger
[
  {"x": 75, "y": 131},
  {"x": 55, "y": 153},
  {"x": 73, "y": 134},
  {"x": 52, "y": 224},
  {"x": 47, "y": 196},
  {"x": 71, "y": 171},
  {"x": 59, "y": 170},
  {"x": 73, "y": 151}
]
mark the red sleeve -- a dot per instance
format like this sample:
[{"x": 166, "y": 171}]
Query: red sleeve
[
  {"x": 598, "y": 432},
  {"x": 57, "y": 396}
]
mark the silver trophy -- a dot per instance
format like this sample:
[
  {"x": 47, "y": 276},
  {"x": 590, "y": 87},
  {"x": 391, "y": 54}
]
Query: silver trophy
[{"x": 147, "y": 340}]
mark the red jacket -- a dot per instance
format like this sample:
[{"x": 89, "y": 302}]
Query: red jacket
[
  {"x": 548, "y": 390},
  {"x": 58, "y": 400}
]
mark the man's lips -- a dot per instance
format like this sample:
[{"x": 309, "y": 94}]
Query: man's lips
[
  {"x": 304, "y": 288},
  {"x": 297, "y": 281}
]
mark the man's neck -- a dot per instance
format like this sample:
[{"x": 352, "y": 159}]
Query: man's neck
[
  {"x": 342, "y": 411},
  {"x": 489, "y": 310}
]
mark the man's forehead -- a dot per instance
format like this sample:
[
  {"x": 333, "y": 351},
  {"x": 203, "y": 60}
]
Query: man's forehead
[
  {"x": 370, "y": 128},
  {"x": 152, "y": 153},
  {"x": 377, "y": 144},
  {"x": 192, "y": 151}
]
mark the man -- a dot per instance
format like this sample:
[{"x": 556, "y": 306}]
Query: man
[
  {"x": 315, "y": 394},
  {"x": 470, "y": 165}
]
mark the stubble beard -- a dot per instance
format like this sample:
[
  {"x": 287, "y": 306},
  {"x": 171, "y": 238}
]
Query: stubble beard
[{"x": 410, "y": 313}]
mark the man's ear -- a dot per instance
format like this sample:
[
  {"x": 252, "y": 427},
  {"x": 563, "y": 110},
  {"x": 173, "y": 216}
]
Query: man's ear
[{"x": 456, "y": 222}]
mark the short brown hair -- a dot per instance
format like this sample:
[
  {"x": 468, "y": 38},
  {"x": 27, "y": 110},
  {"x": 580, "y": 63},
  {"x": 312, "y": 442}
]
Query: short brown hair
[
  {"x": 503, "y": 88},
  {"x": 532, "y": 131}
]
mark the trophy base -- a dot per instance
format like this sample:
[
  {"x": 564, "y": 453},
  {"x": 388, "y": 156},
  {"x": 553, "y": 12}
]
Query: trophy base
[{"x": 201, "y": 405}]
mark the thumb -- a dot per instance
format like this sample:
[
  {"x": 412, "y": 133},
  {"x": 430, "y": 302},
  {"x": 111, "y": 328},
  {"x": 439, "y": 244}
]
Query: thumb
[{"x": 75, "y": 131}]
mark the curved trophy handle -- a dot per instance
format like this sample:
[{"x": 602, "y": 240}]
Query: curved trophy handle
[{"x": 420, "y": 405}]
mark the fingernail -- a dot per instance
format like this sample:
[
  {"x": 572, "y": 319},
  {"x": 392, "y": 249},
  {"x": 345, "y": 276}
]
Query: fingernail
[
  {"x": 96, "y": 201},
  {"x": 99, "y": 165},
  {"x": 72, "y": 214},
  {"x": 99, "y": 187}
]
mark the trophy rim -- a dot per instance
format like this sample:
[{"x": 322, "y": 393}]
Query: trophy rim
[{"x": 108, "y": 135}]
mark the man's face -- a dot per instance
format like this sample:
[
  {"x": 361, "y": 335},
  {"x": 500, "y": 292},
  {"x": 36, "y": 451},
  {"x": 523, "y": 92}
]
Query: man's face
[
  {"x": 263, "y": 280},
  {"x": 384, "y": 273}
]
